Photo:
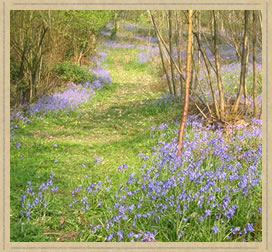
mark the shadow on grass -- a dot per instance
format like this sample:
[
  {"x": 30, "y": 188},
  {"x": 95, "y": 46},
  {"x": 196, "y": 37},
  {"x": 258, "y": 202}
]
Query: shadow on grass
[{"x": 117, "y": 119}]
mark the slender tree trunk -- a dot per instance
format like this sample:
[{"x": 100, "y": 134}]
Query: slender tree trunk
[
  {"x": 170, "y": 32},
  {"x": 179, "y": 40},
  {"x": 218, "y": 70},
  {"x": 31, "y": 60},
  {"x": 161, "y": 55},
  {"x": 116, "y": 26},
  {"x": 235, "y": 42},
  {"x": 245, "y": 78},
  {"x": 164, "y": 68},
  {"x": 260, "y": 19},
  {"x": 39, "y": 75},
  {"x": 254, "y": 56},
  {"x": 193, "y": 67},
  {"x": 209, "y": 74},
  {"x": 222, "y": 26},
  {"x": 198, "y": 53},
  {"x": 30, "y": 90},
  {"x": 165, "y": 46},
  {"x": 187, "y": 84},
  {"x": 243, "y": 65}
]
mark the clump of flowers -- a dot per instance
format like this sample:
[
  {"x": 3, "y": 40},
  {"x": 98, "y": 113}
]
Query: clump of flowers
[
  {"x": 116, "y": 45},
  {"x": 103, "y": 77},
  {"x": 35, "y": 201},
  {"x": 144, "y": 57},
  {"x": 68, "y": 100}
]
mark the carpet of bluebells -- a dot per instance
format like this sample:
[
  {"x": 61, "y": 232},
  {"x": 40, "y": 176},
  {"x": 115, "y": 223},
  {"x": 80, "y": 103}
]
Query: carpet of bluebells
[
  {"x": 212, "y": 192},
  {"x": 214, "y": 186},
  {"x": 213, "y": 189}
]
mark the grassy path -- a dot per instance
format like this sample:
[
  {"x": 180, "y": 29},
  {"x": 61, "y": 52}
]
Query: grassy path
[
  {"x": 114, "y": 126},
  {"x": 120, "y": 122}
]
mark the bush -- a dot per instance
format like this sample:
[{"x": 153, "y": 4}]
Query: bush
[{"x": 68, "y": 71}]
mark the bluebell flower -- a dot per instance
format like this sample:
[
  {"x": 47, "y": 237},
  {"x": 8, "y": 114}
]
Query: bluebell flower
[
  {"x": 54, "y": 189},
  {"x": 207, "y": 212},
  {"x": 235, "y": 230},
  {"x": 248, "y": 228},
  {"x": 215, "y": 229},
  {"x": 148, "y": 237},
  {"x": 23, "y": 198},
  {"x": 95, "y": 228},
  {"x": 28, "y": 214},
  {"x": 130, "y": 234},
  {"x": 230, "y": 212},
  {"x": 120, "y": 234},
  {"x": 180, "y": 234},
  {"x": 18, "y": 145},
  {"x": 109, "y": 237},
  {"x": 97, "y": 159}
]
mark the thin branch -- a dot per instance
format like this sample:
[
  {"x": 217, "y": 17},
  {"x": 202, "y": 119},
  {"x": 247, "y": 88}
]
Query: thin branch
[{"x": 202, "y": 113}]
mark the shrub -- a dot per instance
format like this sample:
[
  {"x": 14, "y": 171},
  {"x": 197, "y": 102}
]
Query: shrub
[{"x": 68, "y": 71}]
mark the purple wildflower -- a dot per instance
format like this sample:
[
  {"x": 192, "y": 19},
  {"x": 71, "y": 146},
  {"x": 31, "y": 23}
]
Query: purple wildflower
[
  {"x": 120, "y": 234},
  {"x": 148, "y": 237},
  {"x": 215, "y": 229},
  {"x": 109, "y": 237}
]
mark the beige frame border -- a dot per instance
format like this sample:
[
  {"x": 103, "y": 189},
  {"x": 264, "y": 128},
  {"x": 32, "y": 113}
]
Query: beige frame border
[{"x": 7, "y": 5}]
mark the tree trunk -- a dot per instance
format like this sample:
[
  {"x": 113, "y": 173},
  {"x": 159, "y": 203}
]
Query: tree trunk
[
  {"x": 179, "y": 40},
  {"x": 243, "y": 65},
  {"x": 187, "y": 84},
  {"x": 245, "y": 78},
  {"x": 254, "y": 56},
  {"x": 204, "y": 55},
  {"x": 167, "y": 53},
  {"x": 198, "y": 54},
  {"x": 171, "y": 52},
  {"x": 116, "y": 26},
  {"x": 161, "y": 55},
  {"x": 218, "y": 70},
  {"x": 164, "y": 68}
]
